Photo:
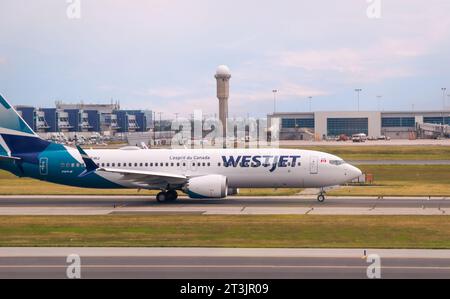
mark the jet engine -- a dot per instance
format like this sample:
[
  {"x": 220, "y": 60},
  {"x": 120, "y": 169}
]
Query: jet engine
[{"x": 208, "y": 186}]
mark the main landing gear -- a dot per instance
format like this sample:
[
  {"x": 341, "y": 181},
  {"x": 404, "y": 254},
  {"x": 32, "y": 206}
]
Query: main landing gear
[
  {"x": 321, "y": 197},
  {"x": 167, "y": 196}
]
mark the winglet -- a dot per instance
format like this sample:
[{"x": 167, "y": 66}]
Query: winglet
[{"x": 91, "y": 167}]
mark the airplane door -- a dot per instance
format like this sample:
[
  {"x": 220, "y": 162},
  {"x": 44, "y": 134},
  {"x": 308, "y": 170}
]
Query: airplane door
[
  {"x": 314, "y": 165},
  {"x": 43, "y": 166}
]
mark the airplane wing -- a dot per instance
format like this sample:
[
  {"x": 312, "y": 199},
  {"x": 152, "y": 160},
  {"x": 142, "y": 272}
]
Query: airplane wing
[{"x": 147, "y": 177}]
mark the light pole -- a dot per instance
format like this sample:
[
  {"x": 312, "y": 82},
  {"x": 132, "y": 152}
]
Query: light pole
[
  {"x": 358, "y": 90},
  {"x": 160, "y": 121},
  {"x": 275, "y": 100},
  {"x": 379, "y": 102},
  {"x": 310, "y": 104},
  {"x": 154, "y": 127},
  {"x": 444, "y": 89}
]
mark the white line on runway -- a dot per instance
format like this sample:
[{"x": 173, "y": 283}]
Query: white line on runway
[
  {"x": 217, "y": 267},
  {"x": 41, "y": 252}
]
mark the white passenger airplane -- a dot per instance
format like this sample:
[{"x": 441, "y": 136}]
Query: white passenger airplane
[{"x": 200, "y": 173}]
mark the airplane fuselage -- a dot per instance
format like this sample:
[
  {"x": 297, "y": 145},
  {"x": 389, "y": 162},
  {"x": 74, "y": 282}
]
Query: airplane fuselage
[{"x": 244, "y": 168}]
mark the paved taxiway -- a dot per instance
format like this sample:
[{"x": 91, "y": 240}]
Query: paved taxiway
[
  {"x": 198, "y": 263},
  {"x": 105, "y": 205}
]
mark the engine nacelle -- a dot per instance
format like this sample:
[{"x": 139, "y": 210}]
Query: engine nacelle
[{"x": 208, "y": 186}]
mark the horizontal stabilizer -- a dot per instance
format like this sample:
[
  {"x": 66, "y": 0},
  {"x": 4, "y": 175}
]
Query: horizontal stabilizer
[{"x": 9, "y": 158}]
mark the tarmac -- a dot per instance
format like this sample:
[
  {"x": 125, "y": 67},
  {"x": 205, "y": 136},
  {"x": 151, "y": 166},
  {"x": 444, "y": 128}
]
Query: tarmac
[
  {"x": 224, "y": 263},
  {"x": 238, "y": 205}
]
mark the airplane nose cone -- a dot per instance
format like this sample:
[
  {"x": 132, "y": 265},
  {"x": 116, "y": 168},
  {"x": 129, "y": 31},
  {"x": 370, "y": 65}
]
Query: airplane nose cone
[{"x": 355, "y": 172}]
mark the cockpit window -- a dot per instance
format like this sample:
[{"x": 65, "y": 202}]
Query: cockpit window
[{"x": 337, "y": 162}]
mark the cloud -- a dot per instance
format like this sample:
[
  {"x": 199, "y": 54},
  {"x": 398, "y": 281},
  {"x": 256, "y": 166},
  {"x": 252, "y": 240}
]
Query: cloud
[
  {"x": 388, "y": 60},
  {"x": 287, "y": 91},
  {"x": 340, "y": 60},
  {"x": 164, "y": 92},
  {"x": 182, "y": 106},
  {"x": 2, "y": 60}
]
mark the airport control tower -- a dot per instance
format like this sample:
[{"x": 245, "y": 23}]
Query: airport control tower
[{"x": 223, "y": 76}]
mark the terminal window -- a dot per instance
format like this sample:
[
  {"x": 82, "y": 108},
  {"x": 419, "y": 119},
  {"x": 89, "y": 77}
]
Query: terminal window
[
  {"x": 437, "y": 120},
  {"x": 396, "y": 122},
  {"x": 289, "y": 123},
  {"x": 347, "y": 126}
]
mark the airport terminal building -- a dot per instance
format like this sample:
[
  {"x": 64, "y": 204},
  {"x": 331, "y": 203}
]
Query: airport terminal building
[
  {"x": 99, "y": 118},
  {"x": 392, "y": 124}
]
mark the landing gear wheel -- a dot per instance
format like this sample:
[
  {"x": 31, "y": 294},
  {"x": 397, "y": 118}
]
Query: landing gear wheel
[
  {"x": 172, "y": 195},
  {"x": 321, "y": 198},
  {"x": 161, "y": 197}
]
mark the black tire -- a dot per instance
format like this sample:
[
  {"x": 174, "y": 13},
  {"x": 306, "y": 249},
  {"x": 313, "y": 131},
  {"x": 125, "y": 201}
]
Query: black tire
[
  {"x": 161, "y": 197},
  {"x": 172, "y": 195},
  {"x": 321, "y": 198}
]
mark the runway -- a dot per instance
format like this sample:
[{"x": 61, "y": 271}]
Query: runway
[
  {"x": 213, "y": 263},
  {"x": 299, "y": 205}
]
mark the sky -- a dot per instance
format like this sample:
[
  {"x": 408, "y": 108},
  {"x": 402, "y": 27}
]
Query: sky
[{"x": 162, "y": 54}]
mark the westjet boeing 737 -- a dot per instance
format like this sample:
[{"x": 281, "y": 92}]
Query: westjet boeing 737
[{"x": 200, "y": 173}]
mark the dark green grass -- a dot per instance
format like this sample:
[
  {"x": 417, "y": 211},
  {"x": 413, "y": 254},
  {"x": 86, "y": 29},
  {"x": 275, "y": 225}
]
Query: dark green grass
[{"x": 227, "y": 231}]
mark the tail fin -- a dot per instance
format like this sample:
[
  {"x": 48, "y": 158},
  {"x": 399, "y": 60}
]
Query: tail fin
[
  {"x": 17, "y": 139},
  {"x": 11, "y": 121}
]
